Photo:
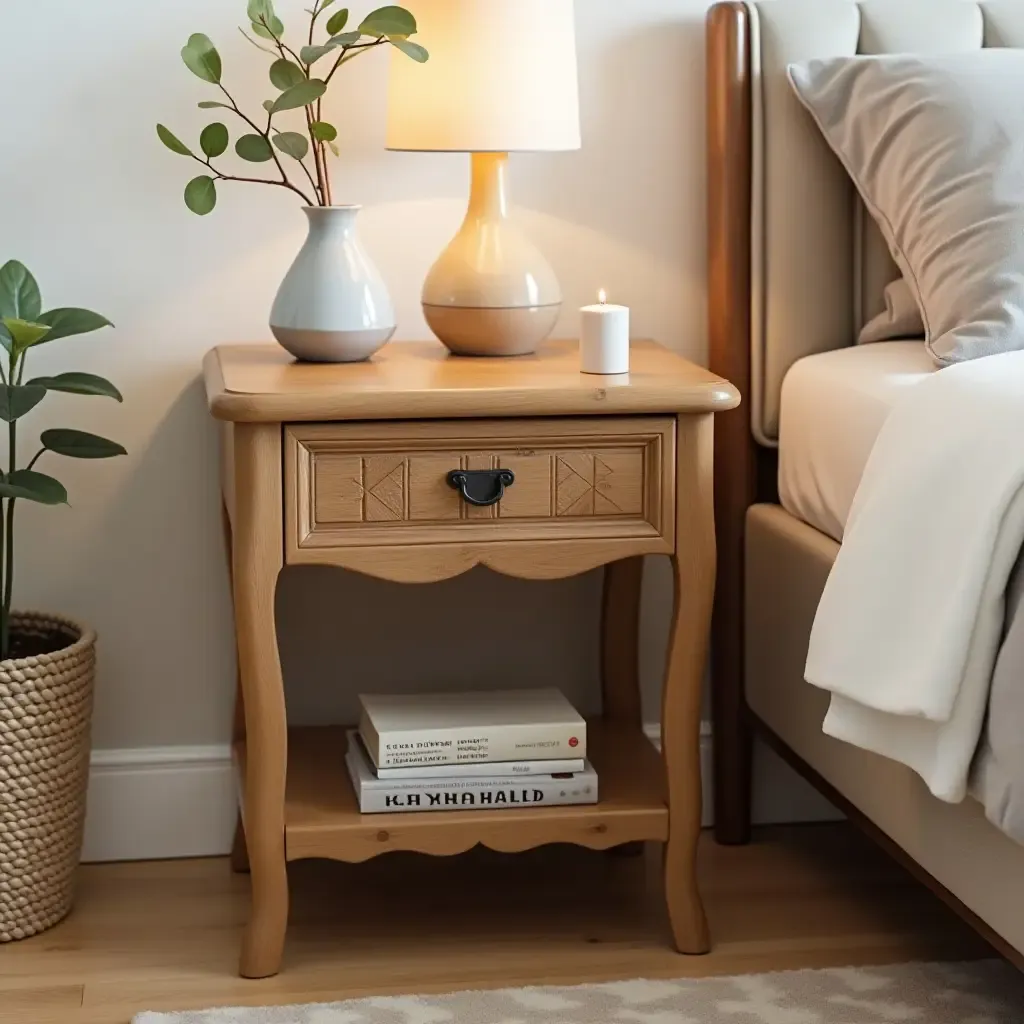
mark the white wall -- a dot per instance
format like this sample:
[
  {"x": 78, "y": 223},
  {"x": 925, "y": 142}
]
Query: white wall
[{"x": 92, "y": 203}]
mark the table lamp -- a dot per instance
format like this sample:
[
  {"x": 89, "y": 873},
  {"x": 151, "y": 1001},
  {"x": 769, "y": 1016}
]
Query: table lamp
[{"x": 501, "y": 78}]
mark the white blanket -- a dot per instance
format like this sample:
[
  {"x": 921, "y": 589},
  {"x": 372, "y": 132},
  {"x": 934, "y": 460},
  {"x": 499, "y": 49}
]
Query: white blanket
[{"x": 910, "y": 622}]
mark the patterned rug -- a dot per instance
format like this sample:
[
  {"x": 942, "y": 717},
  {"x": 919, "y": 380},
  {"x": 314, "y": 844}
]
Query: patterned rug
[{"x": 986, "y": 992}]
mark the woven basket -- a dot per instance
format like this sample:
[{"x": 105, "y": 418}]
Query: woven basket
[{"x": 45, "y": 715}]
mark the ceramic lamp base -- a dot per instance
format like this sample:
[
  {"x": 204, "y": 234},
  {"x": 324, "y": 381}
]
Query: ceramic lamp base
[
  {"x": 491, "y": 292},
  {"x": 492, "y": 332}
]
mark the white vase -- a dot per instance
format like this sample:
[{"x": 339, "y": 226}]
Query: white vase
[{"x": 333, "y": 305}]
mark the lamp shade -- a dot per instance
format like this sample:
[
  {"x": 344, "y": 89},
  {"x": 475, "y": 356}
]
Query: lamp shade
[{"x": 501, "y": 77}]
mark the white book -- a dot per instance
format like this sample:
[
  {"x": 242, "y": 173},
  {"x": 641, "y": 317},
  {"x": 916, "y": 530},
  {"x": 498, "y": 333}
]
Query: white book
[
  {"x": 486, "y": 793},
  {"x": 487, "y": 769},
  {"x": 420, "y": 730}
]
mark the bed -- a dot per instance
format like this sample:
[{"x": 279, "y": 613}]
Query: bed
[{"x": 796, "y": 268}]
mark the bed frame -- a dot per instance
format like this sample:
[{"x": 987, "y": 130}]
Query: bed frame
[{"x": 756, "y": 311}]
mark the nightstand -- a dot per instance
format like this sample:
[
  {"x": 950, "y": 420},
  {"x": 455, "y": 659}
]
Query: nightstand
[{"x": 418, "y": 466}]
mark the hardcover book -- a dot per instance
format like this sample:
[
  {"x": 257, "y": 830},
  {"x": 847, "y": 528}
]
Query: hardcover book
[
  {"x": 482, "y": 793},
  {"x": 422, "y": 730}
]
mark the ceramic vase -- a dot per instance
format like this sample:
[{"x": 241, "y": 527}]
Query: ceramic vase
[{"x": 333, "y": 305}]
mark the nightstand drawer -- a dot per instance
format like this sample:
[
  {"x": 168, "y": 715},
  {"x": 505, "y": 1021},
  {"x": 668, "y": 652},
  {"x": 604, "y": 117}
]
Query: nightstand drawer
[{"x": 384, "y": 484}]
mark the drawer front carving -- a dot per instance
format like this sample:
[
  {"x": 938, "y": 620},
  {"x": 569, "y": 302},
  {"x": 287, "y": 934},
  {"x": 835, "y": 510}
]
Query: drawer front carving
[{"x": 387, "y": 484}]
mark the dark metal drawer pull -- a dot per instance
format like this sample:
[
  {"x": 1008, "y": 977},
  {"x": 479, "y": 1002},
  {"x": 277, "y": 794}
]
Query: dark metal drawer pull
[{"x": 481, "y": 487}]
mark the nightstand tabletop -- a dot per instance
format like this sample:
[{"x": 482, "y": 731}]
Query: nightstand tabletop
[{"x": 420, "y": 380}]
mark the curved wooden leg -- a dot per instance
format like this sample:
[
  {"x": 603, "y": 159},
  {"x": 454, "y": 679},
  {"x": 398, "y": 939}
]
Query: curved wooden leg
[
  {"x": 620, "y": 652},
  {"x": 239, "y": 854},
  {"x": 257, "y": 561},
  {"x": 694, "y": 570}
]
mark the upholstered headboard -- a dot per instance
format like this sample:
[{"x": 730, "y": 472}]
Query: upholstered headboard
[
  {"x": 818, "y": 264},
  {"x": 794, "y": 268}
]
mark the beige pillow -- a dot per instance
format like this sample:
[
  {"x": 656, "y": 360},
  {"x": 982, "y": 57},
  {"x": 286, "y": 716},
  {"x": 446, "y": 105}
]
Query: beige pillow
[
  {"x": 900, "y": 319},
  {"x": 935, "y": 145}
]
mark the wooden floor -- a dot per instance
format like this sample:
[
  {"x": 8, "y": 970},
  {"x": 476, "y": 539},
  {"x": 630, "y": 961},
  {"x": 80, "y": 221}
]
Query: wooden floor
[{"x": 165, "y": 935}]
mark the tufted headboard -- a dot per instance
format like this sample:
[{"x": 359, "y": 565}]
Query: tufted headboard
[{"x": 795, "y": 266}]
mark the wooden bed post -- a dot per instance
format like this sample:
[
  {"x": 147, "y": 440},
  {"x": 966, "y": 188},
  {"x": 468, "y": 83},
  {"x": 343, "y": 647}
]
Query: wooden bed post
[{"x": 736, "y": 457}]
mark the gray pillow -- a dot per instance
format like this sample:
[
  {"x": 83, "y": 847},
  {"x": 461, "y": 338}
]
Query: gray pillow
[
  {"x": 900, "y": 319},
  {"x": 935, "y": 145}
]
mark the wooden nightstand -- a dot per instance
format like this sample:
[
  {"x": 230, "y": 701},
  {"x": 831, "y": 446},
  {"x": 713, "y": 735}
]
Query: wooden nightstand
[{"x": 350, "y": 465}]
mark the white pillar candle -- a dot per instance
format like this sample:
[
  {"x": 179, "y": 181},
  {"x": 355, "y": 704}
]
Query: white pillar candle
[{"x": 604, "y": 338}]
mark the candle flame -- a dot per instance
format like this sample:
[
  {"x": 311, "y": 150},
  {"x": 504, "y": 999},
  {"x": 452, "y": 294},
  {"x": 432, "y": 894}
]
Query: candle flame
[{"x": 602, "y": 297}]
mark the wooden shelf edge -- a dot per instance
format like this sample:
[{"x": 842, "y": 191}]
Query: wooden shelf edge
[{"x": 322, "y": 819}]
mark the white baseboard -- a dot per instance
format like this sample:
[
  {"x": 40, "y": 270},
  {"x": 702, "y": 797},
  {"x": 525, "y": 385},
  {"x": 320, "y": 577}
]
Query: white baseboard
[
  {"x": 160, "y": 803},
  {"x": 168, "y": 802}
]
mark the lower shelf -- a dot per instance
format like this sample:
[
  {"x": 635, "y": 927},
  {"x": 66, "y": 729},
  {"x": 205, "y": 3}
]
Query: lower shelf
[{"x": 323, "y": 820}]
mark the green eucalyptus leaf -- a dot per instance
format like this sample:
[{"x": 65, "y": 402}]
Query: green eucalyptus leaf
[
  {"x": 284, "y": 74},
  {"x": 19, "y": 293},
  {"x": 78, "y": 384},
  {"x": 337, "y": 21},
  {"x": 213, "y": 105},
  {"x": 323, "y": 132},
  {"x": 311, "y": 54},
  {"x": 5, "y": 339},
  {"x": 24, "y": 334},
  {"x": 410, "y": 49},
  {"x": 201, "y": 194},
  {"x": 254, "y": 148},
  {"x": 265, "y": 22},
  {"x": 214, "y": 139},
  {"x": 69, "y": 321},
  {"x": 172, "y": 142},
  {"x": 334, "y": 148},
  {"x": 33, "y": 486},
  {"x": 344, "y": 39},
  {"x": 321, "y": 7},
  {"x": 78, "y": 444},
  {"x": 16, "y": 400},
  {"x": 268, "y": 106},
  {"x": 389, "y": 21},
  {"x": 300, "y": 95},
  {"x": 201, "y": 58},
  {"x": 292, "y": 144}
]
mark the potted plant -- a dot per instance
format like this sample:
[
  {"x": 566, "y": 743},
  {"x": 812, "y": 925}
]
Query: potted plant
[
  {"x": 333, "y": 305},
  {"x": 46, "y": 661}
]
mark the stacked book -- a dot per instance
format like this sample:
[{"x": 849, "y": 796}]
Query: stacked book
[{"x": 469, "y": 751}]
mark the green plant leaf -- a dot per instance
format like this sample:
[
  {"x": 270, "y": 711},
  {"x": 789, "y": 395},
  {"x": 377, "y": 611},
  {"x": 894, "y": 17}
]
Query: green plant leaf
[
  {"x": 265, "y": 22},
  {"x": 254, "y": 148},
  {"x": 334, "y": 148},
  {"x": 311, "y": 54},
  {"x": 24, "y": 334},
  {"x": 68, "y": 321},
  {"x": 410, "y": 49},
  {"x": 319, "y": 8},
  {"x": 389, "y": 21},
  {"x": 268, "y": 106},
  {"x": 201, "y": 58},
  {"x": 201, "y": 194},
  {"x": 344, "y": 39},
  {"x": 172, "y": 142},
  {"x": 19, "y": 293},
  {"x": 5, "y": 339},
  {"x": 337, "y": 21},
  {"x": 284, "y": 74},
  {"x": 323, "y": 132},
  {"x": 78, "y": 384},
  {"x": 16, "y": 400},
  {"x": 300, "y": 95},
  {"x": 78, "y": 444},
  {"x": 33, "y": 486},
  {"x": 214, "y": 139},
  {"x": 213, "y": 105},
  {"x": 292, "y": 144},
  {"x": 275, "y": 31}
]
